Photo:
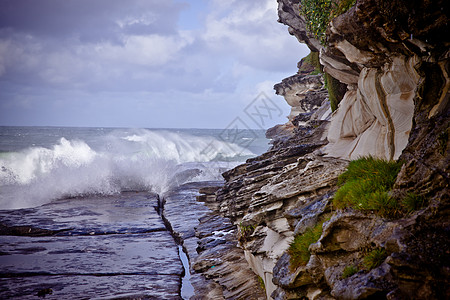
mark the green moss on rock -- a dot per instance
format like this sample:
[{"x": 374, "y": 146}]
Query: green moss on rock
[{"x": 336, "y": 90}]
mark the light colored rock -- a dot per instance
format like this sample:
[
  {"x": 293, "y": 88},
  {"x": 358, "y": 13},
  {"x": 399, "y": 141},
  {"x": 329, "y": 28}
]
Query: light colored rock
[
  {"x": 300, "y": 92},
  {"x": 263, "y": 267},
  {"x": 352, "y": 54},
  {"x": 338, "y": 67},
  {"x": 376, "y": 119}
]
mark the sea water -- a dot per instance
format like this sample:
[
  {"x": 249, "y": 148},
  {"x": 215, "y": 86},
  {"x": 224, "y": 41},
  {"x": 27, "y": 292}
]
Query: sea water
[
  {"x": 96, "y": 190},
  {"x": 41, "y": 164}
]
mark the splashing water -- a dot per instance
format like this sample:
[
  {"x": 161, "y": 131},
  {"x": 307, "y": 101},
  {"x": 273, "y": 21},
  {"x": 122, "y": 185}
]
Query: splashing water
[{"x": 141, "y": 160}]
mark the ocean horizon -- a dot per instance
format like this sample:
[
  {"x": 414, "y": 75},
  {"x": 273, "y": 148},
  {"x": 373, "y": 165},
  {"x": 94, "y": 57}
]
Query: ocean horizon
[{"x": 99, "y": 160}]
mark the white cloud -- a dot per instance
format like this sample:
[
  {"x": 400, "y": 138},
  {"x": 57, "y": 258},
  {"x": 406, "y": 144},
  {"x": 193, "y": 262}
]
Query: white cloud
[
  {"x": 248, "y": 30},
  {"x": 149, "y": 51}
]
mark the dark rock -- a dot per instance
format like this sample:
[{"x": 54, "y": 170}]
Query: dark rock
[
  {"x": 26, "y": 231},
  {"x": 44, "y": 292},
  {"x": 209, "y": 190}
]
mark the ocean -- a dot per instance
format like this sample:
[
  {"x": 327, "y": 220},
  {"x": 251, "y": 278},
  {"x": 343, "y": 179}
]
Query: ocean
[
  {"x": 78, "y": 217},
  {"x": 41, "y": 164}
]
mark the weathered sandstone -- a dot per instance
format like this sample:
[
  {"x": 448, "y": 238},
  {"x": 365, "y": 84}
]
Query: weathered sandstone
[{"x": 394, "y": 62}]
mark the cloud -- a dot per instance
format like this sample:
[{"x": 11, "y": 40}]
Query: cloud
[
  {"x": 115, "y": 56},
  {"x": 247, "y": 30},
  {"x": 90, "y": 21}
]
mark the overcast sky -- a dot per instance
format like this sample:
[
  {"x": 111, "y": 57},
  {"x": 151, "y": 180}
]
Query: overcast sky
[{"x": 141, "y": 63}]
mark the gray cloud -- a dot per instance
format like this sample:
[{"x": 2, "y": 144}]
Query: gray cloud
[
  {"x": 90, "y": 21},
  {"x": 56, "y": 54}
]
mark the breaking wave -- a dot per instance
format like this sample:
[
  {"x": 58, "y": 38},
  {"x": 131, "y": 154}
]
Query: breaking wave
[{"x": 140, "y": 160}]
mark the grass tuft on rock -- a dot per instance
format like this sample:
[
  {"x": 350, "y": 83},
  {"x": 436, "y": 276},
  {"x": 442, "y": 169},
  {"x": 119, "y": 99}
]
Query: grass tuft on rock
[
  {"x": 412, "y": 202},
  {"x": 245, "y": 232},
  {"x": 349, "y": 271},
  {"x": 261, "y": 283},
  {"x": 365, "y": 186},
  {"x": 374, "y": 258},
  {"x": 299, "y": 249}
]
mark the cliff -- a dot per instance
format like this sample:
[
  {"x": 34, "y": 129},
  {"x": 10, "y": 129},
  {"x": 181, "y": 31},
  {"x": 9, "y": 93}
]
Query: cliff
[{"x": 386, "y": 67}]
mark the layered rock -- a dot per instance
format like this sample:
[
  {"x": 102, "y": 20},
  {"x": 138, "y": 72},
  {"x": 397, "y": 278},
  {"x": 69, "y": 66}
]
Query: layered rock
[
  {"x": 376, "y": 118},
  {"x": 395, "y": 64},
  {"x": 260, "y": 197},
  {"x": 218, "y": 269},
  {"x": 377, "y": 59},
  {"x": 302, "y": 93}
]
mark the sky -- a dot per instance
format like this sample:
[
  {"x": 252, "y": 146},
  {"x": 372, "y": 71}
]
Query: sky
[{"x": 143, "y": 63}]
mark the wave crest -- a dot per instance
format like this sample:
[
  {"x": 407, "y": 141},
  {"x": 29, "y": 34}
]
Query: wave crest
[{"x": 140, "y": 160}]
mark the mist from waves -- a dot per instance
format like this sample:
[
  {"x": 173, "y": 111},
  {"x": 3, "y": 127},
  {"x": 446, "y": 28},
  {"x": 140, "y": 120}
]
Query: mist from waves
[{"x": 122, "y": 160}]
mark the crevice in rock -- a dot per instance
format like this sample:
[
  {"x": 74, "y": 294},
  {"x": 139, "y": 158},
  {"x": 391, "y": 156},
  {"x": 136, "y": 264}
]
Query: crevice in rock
[
  {"x": 391, "y": 129},
  {"x": 27, "y": 230},
  {"x": 185, "y": 285},
  {"x": 33, "y": 274}
]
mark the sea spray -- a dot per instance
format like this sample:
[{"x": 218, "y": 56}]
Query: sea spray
[{"x": 140, "y": 160}]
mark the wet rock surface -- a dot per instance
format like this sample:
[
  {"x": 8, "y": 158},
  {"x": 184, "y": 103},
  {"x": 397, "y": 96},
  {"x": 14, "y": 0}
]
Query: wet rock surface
[
  {"x": 91, "y": 287},
  {"x": 89, "y": 247},
  {"x": 218, "y": 269},
  {"x": 125, "y": 246}
]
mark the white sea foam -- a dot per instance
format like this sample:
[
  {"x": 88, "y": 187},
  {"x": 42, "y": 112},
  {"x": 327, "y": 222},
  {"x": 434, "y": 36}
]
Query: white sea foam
[{"x": 141, "y": 160}]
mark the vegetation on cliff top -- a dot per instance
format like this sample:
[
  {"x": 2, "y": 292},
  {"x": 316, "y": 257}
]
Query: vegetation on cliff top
[{"x": 319, "y": 13}]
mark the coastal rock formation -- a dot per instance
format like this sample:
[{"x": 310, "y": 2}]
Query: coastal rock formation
[
  {"x": 261, "y": 196},
  {"x": 302, "y": 93},
  {"x": 218, "y": 269},
  {"x": 393, "y": 58},
  {"x": 376, "y": 118}
]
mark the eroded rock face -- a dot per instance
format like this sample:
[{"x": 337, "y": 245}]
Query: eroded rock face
[
  {"x": 395, "y": 63},
  {"x": 376, "y": 118},
  {"x": 302, "y": 93},
  {"x": 377, "y": 58},
  {"x": 283, "y": 191}
]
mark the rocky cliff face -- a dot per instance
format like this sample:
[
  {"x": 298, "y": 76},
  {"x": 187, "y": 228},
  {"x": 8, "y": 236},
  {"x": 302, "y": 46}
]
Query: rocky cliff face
[{"x": 393, "y": 57}]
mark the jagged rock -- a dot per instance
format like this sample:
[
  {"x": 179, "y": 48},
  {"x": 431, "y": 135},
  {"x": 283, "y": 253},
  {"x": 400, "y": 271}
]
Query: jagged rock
[
  {"x": 302, "y": 93},
  {"x": 264, "y": 193},
  {"x": 352, "y": 231},
  {"x": 305, "y": 67},
  {"x": 396, "y": 105},
  {"x": 373, "y": 284},
  {"x": 222, "y": 263},
  {"x": 289, "y": 15},
  {"x": 209, "y": 190},
  {"x": 280, "y": 133},
  {"x": 306, "y": 216}
]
